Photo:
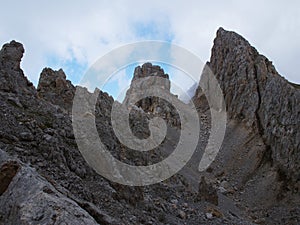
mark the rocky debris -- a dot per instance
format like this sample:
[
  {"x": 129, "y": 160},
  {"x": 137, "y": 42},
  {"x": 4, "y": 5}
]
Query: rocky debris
[
  {"x": 130, "y": 194},
  {"x": 182, "y": 214},
  {"x": 55, "y": 88}
]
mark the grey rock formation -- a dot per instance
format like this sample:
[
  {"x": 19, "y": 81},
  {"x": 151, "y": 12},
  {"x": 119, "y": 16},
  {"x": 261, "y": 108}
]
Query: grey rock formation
[
  {"x": 55, "y": 88},
  {"x": 155, "y": 105},
  {"x": 260, "y": 154},
  {"x": 12, "y": 78},
  {"x": 147, "y": 70},
  {"x": 258, "y": 96},
  {"x": 51, "y": 182}
]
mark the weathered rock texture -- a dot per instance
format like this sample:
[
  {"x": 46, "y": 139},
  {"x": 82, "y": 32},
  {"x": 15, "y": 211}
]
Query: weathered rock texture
[
  {"x": 12, "y": 78},
  {"x": 152, "y": 104},
  {"x": 55, "y": 88},
  {"x": 258, "y": 96},
  {"x": 31, "y": 199},
  {"x": 45, "y": 180}
]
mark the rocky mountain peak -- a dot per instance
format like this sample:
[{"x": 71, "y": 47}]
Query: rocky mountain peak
[
  {"x": 12, "y": 78},
  {"x": 141, "y": 83},
  {"x": 258, "y": 97},
  {"x": 11, "y": 55},
  {"x": 147, "y": 69},
  {"x": 55, "y": 88}
]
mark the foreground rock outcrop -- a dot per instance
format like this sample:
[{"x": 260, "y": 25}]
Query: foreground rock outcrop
[{"x": 30, "y": 198}]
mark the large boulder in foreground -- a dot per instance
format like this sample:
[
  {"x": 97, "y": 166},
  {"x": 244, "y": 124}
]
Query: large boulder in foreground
[{"x": 28, "y": 198}]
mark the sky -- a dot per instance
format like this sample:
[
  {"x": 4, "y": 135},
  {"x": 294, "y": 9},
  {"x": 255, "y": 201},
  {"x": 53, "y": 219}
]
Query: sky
[{"x": 73, "y": 35}]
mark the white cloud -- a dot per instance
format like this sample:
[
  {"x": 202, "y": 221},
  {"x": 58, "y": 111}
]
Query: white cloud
[{"x": 84, "y": 31}]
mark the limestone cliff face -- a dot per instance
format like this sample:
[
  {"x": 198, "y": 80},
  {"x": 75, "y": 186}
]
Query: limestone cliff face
[{"x": 258, "y": 96}]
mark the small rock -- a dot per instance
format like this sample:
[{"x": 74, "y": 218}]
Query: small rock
[
  {"x": 26, "y": 136},
  {"x": 260, "y": 221},
  {"x": 47, "y": 137},
  {"x": 182, "y": 214},
  {"x": 49, "y": 131},
  {"x": 225, "y": 184},
  {"x": 40, "y": 164},
  {"x": 215, "y": 212},
  {"x": 15, "y": 101},
  {"x": 222, "y": 190},
  {"x": 174, "y": 201},
  {"x": 209, "y": 215}
]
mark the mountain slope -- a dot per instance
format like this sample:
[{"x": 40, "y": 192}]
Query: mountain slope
[
  {"x": 254, "y": 179},
  {"x": 261, "y": 151}
]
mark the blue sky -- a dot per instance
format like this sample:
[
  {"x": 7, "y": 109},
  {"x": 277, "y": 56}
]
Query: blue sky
[{"x": 73, "y": 35}]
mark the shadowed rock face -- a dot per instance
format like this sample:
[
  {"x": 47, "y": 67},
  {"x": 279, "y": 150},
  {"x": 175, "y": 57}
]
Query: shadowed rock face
[
  {"x": 259, "y": 97},
  {"x": 7, "y": 173}
]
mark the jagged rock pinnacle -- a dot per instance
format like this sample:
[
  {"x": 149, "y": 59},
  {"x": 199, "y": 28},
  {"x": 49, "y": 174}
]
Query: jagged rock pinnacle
[
  {"x": 152, "y": 104},
  {"x": 55, "y": 88},
  {"x": 148, "y": 69},
  {"x": 11, "y": 55},
  {"x": 256, "y": 95},
  {"x": 12, "y": 78}
]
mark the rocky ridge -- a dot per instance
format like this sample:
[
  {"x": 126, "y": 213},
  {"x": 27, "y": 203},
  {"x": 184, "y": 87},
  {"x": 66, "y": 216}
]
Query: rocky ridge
[
  {"x": 258, "y": 96},
  {"x": 264, "y": 120},
  {"x": 40, "y": 159},
  {"x": 253, "y": 180}
]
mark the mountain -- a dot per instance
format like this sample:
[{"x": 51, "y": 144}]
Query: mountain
[
  {"x": 261, "y": 150},
  {"x": 254, "y": 179}
]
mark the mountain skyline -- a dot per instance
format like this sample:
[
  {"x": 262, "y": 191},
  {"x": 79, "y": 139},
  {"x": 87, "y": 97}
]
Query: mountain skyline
[{"x": 72, "y": 35}]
